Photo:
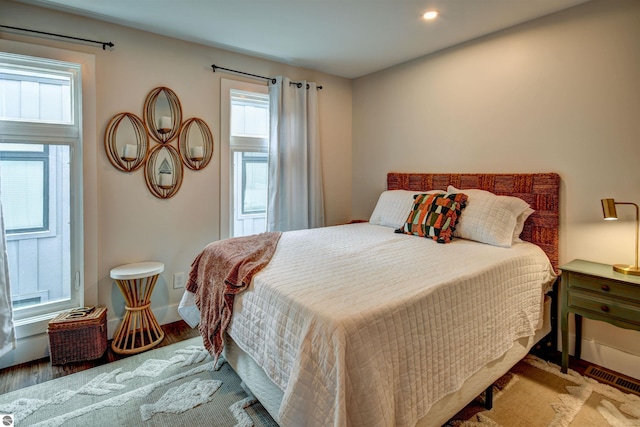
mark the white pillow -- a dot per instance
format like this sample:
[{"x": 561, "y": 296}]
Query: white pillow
[
  {"x": 520, "y": 224},
  {"x": 489, "y": 218},
  {"x": 394, "y": 206}
]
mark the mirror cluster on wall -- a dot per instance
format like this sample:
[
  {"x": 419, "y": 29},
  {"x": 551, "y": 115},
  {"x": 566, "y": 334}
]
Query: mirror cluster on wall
[{"x": 127, "y": 143}]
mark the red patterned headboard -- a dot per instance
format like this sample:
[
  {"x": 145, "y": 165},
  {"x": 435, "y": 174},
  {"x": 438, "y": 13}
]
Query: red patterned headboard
[{"x": 540, "y": 190}]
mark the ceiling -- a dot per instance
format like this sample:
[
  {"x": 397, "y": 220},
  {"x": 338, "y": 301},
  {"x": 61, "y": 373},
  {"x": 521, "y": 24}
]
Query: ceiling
[{"x": 348, "y": 38}]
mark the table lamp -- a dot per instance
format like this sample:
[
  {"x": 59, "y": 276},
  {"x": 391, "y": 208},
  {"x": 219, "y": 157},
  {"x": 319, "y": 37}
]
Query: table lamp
[{"x": 609, "y": 212}]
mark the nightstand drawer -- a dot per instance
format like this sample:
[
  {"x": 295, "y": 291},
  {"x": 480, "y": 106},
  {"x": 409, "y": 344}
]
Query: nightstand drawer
[
  {"x": 605, "y": 288},
  {"x": 612, "y": 309}
]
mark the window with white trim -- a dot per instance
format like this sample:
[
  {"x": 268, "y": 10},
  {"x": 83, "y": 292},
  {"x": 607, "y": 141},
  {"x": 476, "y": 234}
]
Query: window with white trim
[
  {"x": 245, "y": 108},
  {"x": 41, "y": 182}
]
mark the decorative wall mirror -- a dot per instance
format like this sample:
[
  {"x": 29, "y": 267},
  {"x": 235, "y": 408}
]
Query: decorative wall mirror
[
  {"x": 163, "y": 172},
  {"x": 195, "y": 143},
  {"x": 162, "y": 114},
  {"x": 128, "y": 146},
  {"x": 126, "y": 142}
]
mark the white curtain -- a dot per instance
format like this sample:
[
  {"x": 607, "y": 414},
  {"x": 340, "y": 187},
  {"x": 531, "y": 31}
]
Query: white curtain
[
  {"x": 295, "y": 199},
  {"x": 7, "y": 331}
]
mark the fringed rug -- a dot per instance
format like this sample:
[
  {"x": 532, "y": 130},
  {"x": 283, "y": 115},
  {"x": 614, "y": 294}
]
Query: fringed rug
[
  {"x": 176, "y": 385},
  {"x": 534, "y": 393}
]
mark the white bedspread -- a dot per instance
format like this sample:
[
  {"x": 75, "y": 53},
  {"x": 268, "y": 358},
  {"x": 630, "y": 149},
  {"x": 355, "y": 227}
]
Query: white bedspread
[{"x": 360, "y": 326}]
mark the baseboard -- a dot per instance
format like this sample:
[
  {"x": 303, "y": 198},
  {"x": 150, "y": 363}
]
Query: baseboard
[
  {"x": 36, "y": 347},
  {"x": 29, "y": 348},
  {"x": 608, "y": 357}
]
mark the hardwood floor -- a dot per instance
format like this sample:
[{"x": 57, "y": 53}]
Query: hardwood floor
[{"x": 38, "y": 371}]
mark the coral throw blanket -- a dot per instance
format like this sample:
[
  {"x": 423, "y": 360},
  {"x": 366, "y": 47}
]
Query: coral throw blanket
[{"x": 220, "y": 272}]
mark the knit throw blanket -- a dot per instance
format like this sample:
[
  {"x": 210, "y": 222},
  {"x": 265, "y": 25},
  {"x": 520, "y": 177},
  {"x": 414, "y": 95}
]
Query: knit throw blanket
[{"x": 221, "y": 271}]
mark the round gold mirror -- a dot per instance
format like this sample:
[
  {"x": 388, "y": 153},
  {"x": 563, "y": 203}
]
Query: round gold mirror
[{"x": 162, "y": 114}]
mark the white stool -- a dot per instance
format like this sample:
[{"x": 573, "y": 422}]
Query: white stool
[{"x": 139, "y": 330}]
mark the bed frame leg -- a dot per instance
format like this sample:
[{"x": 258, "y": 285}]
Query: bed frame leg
[{"x": 488, "y": 398}]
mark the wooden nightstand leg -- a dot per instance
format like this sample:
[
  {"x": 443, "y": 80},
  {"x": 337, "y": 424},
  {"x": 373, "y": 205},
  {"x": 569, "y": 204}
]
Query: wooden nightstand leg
[
  {"x": 564, "y": 328},
  {"x": 555, "y": 296},
  {"x": 578, "y": 345}
]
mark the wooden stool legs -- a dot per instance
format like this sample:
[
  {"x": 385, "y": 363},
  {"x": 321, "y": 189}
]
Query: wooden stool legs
[{"x": 139, "y": 329}]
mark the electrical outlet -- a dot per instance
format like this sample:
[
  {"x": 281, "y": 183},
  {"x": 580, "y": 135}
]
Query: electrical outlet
[{"x": 178, "y": 280}]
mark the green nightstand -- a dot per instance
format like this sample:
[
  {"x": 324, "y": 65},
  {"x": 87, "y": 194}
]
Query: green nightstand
[{"x": 597, "y": 292}]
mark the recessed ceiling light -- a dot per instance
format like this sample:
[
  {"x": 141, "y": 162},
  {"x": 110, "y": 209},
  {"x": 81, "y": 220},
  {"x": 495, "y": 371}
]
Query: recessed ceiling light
[{"x": 431, "y": 14}]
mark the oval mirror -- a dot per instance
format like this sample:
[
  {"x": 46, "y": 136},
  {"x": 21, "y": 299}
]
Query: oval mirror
[
  {"x": 163, "y": 172},
  {"x": 162, "y": 114},
  {"x": 195, "y": 143},
  {"x": 126, "y": 142}
]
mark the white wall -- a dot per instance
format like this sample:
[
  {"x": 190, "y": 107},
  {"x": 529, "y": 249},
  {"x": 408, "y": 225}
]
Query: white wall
[
  {"x": 128, "y": 222},
  {"x": 559, "y": 94}
]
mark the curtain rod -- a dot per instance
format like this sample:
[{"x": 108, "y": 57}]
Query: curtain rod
[
  {"x": 104, "y": 44},
  {"x": 271, "y": 79}
]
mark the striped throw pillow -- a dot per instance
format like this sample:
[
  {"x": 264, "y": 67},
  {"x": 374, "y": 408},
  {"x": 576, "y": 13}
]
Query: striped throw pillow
[{"x": 434, "y": 216}]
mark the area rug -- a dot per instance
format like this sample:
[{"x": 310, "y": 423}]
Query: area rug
[
  {"x": 534, "y": 393},
  {"x": 176, "y": 385}
]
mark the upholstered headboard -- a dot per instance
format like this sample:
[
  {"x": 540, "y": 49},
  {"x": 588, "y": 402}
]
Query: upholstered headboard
[{"x": 540, "y": 190}]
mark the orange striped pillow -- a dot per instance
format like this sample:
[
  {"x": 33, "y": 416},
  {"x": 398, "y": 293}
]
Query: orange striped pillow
[{"x": 434, "y": 216}]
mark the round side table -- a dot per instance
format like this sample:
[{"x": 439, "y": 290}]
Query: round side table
[{"x": 139, "y": 329}]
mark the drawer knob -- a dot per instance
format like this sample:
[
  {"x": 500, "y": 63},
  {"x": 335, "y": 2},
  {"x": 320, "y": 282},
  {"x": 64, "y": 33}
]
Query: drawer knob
[
  {"x": 605, "y": 288},
  {"x": 604, "y": 308}
]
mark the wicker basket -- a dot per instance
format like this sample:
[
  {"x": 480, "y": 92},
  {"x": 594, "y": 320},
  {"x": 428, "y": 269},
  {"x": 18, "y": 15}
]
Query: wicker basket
[{"x": 78, "y": 335}]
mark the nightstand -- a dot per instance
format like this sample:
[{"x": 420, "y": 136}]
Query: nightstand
[{"x": 597, "y": 292}]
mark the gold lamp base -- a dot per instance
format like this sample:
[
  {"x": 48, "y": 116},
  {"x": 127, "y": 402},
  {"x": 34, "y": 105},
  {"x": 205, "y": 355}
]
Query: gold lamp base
[{"x": 627, "y": 269}]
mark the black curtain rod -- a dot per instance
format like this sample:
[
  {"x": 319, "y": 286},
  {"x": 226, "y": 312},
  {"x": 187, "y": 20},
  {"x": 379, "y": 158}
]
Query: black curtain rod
[
  {"x": 271, "y": 79},
  {"x": 215, "y": 67},
  {"x": 104, "y": 44}
]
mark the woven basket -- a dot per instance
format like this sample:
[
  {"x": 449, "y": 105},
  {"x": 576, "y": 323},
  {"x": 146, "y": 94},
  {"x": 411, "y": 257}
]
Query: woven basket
[{"x": 78, "y": 335}]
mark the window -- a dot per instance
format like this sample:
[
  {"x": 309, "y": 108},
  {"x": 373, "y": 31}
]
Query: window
[
  {"x": 245, "y": 132},
  {"x": 24, "y": 187},
  {"x": 41, "y": 182},
  {"x": 253, "y": 183}
]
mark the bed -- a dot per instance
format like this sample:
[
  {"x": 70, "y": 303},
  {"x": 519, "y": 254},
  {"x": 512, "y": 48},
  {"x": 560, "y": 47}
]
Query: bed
[{"x": 364, "y": 324}]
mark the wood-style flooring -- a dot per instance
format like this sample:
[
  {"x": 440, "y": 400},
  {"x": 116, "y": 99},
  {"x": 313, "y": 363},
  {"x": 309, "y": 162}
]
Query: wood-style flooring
[{"x": 38, "y": 371}]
